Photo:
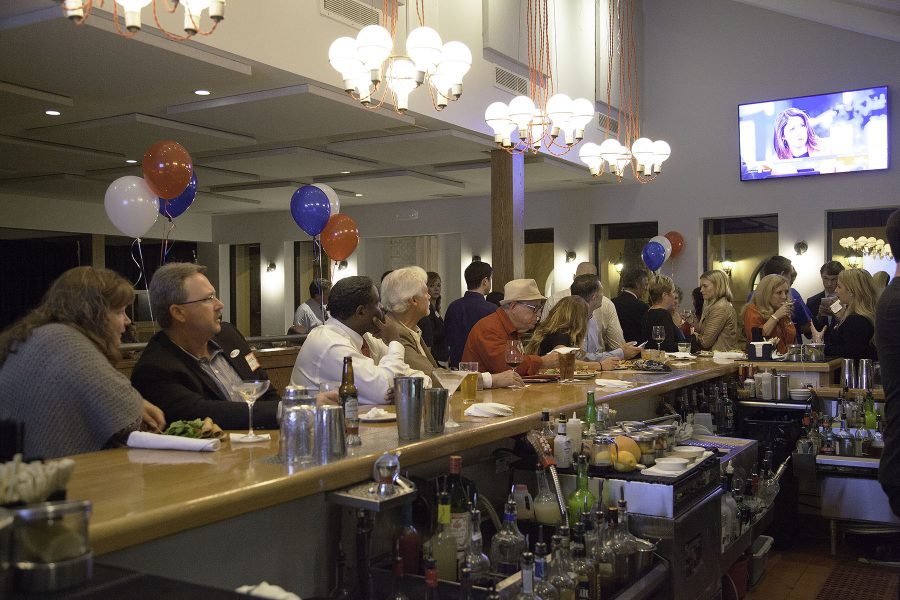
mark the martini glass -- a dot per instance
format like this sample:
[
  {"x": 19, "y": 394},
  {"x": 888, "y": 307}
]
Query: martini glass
[
  {"x": 450, "y": 380},
  {"x": 250, "y": 391}
]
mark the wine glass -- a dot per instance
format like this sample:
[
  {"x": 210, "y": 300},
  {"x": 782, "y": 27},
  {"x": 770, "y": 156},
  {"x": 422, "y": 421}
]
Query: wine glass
[
  {"x": 658, "y": 333},
  {"x": 450, "y": 380},
  {"x": 249, "y": 391},
  {"x": 514, "y": 353}
]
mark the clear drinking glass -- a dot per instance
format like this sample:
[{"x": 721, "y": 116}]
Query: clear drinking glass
[
  {"x": 658, "y": 333},
  {"x": 469, "y": 386},
  {"x": 514, "y": 353},
  {"x": 250, "y": 391}
]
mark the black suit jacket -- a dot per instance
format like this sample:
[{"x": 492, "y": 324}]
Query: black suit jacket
[
  {"x": 631, "y": 313},
  {"x": 172, "y": 380},
  {"x": 813, "y": 303}
]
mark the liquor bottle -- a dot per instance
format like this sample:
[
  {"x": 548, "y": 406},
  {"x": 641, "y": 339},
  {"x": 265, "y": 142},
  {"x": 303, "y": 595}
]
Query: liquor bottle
[
  {"x": 397, "y": 579},
  {"x": 562, "y": 448},
  {"x": 431, "y": 580},
  {"x": 409, "y": 541},
  {"x": 350, "y": 401},
  {"x": 870, "y": 410},
  {"x": 877, "y": 446},
  {"x": 862, "y": 440},
  {"x": 607, "y": 578},
  {"x": 590, "y": 413},
  {"x": 546, "y": 506},
  {"x": 590, "y": 533},
  {"x": 581, "y": 499},
  {"x": 583, "y": 567},
  {"x": 475, "y": 558},
  {"x": 574, "y": 428},
  {"x": 543, "y": 589},
  {"x": 459, "y": 506},
  {"x": 728, "y": 510},
  {"x": 527, "y": 592},
  {"x": 727, "y": 411},
  {"x": 508, "y": 543},
  {"x": 546, "y": 427},
  {"x": 465, "y": 584},
  {"x": 827, "y": 438},
  {"x": 843, "y": 442},
  {"x": 443, "y": 544},
  {"x": 559, "y": 574},
  {"x": 340, "y": 591}
]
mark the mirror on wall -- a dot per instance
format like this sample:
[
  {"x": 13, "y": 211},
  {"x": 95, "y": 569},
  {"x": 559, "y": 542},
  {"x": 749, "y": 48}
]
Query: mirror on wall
[
  {"x": 857, "y": 224},
  {"x": 539, "y": 258},
  {"x": 739, "y": 246},
  {"x": 619, "y": 246}
]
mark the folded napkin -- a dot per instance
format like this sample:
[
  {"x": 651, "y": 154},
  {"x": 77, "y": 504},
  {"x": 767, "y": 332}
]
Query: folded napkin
[
  {"x": 565, "y": 350},
  {"x": 654, "y": 470},
  {"x": 238, "y": 438},
  {"x": 685, "y": 355},
  {"x": 488, "y": 409},
  {"x": 613, "y": 383},
  {"x": 377, "y": 413},
  {"x": 267, "y": 590},
  {"x": 157, "y": 441},
  {"x": 731, "y": 355}
]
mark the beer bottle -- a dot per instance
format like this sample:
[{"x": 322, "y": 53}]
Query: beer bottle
[{"x": 350, "y": 402}]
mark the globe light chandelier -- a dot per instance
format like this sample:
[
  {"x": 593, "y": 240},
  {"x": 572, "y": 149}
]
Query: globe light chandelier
[
  {"x": 866, "y": 246},
  {"x": 368, "y": 61},
  {"x": 543, "y": 118},
  {"x": 78, "y": 12},
  {"x": 644, "y": 156}
]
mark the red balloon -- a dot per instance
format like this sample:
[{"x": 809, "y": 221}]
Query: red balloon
[
  {"x": 340, "y": 237},
  {"x": 167, "y": 169},
  {"x": 677, "y": 242}
]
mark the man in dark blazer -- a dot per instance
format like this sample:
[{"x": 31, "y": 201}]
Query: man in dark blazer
[
  {"x": 188, "y": 368},
  {"x": 821, "y": 313},
  {"x": 629, "y": 305}
]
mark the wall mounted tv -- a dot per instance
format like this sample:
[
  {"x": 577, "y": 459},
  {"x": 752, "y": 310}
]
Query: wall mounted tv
[{"x": 814, "y": 135}]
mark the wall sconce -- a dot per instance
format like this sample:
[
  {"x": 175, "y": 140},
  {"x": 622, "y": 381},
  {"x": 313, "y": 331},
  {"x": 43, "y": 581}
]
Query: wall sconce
[
  {"x": 476, "y": 258},
  {"x": 342, "y": 265},
  {"x": 801, "y": 247},
  {"x": 727, "y": 263},
  {"x": 570, "y": 256},
  {"x": 271, "y": 267},
  {"x": 854, "y": 261},
  {"x": 619, "y": 265}
]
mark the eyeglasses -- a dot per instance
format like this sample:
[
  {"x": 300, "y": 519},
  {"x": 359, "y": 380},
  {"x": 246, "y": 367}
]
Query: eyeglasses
[
  {"x": 208, "y": 300},
  {"x": 534, "y": 308}
]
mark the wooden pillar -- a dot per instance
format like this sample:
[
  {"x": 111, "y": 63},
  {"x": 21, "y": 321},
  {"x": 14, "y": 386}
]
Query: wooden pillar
[{"x": 507, "y": 217}]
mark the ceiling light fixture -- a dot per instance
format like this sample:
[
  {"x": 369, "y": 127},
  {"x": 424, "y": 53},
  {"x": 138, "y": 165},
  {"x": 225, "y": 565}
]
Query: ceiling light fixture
[
  {"x": 78, "y": 11},
  {"x": 202, "y": 92},
  {"x": 643, "y": 155},
  {"x": 867, "y": 246},
  {"x": 543, "y": 117},
  {"x": 345, "y": 172},
  {"x": 52, "y": 113},
  {"x": 358, "y": 195},
  {"x": 364, "y": 60},
  {"x": 130, "y": 161}
]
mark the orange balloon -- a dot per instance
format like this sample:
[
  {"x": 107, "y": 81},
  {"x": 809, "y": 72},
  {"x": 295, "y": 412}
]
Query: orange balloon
[
  {"x": 677, "y": 242},
  {"x": 167, "y": 169},
  {"x": 340, "y": 237}
]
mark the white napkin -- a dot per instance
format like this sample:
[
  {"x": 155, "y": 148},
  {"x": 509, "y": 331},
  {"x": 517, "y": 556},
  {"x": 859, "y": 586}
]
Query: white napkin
[
  {"x": 488, "y": 409},
  {"x": 157, "y": 441},
  {"x": 564, "y": 350},
  {"x": 377, "y": 413},
  {"x": 238, "y": 438},
  {"x": 613, "y": 383},
  {"x": 685, "y": 355},
  {"x": 267, "y": 590},
  {"x": 730, "y": 355}
]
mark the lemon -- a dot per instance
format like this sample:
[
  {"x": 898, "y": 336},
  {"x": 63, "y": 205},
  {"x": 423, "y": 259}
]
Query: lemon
[{"x": 626, "y": 462}]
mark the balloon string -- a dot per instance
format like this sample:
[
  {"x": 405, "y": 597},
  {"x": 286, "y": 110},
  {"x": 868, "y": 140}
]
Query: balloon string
[
  {"x": 140, "y": 265},
  {"x": 167, "y": 243},
  {"x": 317, "y": 245}
]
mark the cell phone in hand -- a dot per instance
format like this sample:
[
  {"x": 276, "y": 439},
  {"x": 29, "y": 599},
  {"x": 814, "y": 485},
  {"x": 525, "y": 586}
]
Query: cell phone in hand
[
  {"x": 639, "y": 345},
  {"x": 837, "y": 307}
]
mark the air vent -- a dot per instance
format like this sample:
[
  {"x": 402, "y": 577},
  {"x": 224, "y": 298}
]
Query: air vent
[
  {"x": 604, "y": 121},
  {"x": 351, "y": 12},
  {"x": 510, "y": 82}
]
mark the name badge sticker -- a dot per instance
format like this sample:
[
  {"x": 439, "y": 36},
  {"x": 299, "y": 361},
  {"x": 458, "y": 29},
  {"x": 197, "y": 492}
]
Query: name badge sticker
[{"x": 251, "y": 360}]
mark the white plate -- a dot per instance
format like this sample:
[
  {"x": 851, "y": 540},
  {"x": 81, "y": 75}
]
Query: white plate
[{"x": 365, "y": 418}]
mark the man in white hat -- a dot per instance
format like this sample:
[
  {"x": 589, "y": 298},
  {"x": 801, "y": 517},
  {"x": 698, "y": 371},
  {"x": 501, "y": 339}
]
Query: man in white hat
[{"x": 519, "y": 312}]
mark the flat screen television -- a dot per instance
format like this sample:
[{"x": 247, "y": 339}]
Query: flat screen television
[{"x": 814, "y": 135}]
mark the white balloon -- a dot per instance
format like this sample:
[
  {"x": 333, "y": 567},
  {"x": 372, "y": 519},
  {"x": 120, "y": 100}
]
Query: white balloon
[
  {"x": 666, "y": 244},
  {"x": 131, "y": 206},
  {"x": 332, "y": 197}
]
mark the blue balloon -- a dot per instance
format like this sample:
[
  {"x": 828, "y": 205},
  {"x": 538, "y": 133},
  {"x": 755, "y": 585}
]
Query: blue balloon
[
  {"x": 176, "y": 206},
  {"x": 311, "y": 209},
  {"x": 654, "y": 255}
]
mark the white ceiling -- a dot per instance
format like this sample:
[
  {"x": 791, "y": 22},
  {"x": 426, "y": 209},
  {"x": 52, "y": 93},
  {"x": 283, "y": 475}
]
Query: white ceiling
[{"x": 262, "y": 134}]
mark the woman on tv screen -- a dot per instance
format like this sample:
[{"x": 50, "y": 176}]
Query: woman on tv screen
[{"x": 794, "y": 135}]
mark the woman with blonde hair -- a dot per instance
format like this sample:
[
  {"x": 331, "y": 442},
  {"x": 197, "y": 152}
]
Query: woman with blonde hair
[
  {"x": 851, "y": 336},
  {"x": 566, "y": 325},
  {"x": 57, "y": 373},
  {"x": 717, "y": 329},
  {"x": 769, "y": 310}
]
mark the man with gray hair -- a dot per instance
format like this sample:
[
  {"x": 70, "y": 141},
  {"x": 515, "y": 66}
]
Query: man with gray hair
[{"x": 190, "y": 366}]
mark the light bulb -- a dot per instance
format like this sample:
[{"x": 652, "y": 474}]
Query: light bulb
[
  {"x": 440, "y": 82},
  {"x": 582, "y": 113},
  {"x": 623, "y": 160},
  {"x": 423, "y": 45},
  {"x": 497, "y": 117},
  {"x": 609, "y": 151},
  {"x": 343, "y": 59},
  {"x": 217, "y": 10},
  {"x": 373, "y": 46},
  {"x": 74, "y": 9},
  {"x": 661, "y": 151},
  {"x": 455, "y": 62},
  {"x": 521, "y": 111},
  {"x": 401, "y": 78},
  {"x": 642, "y": 150},
  {"x": 192, "y": 11},
  {"x": 590, "y": 155},
  {"x": 540, "y": 123},
  {"x": 559, "y": 109},
  {"x": 133, "y": 13}
]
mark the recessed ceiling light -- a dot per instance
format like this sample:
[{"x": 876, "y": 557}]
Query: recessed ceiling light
[
  {"x": 52, "y": 113},
  {"x": 345, "y": 172},
  {"x": 202, "y": 92},
  {"x": 130, "y": 161},
  {"x": 358, "y": 195}
]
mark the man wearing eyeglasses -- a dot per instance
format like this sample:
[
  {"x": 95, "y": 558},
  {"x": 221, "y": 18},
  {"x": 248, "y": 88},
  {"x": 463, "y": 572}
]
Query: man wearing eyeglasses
[
  {"x": 191, "y": 365},
  {"x": 520, "y": 310}
]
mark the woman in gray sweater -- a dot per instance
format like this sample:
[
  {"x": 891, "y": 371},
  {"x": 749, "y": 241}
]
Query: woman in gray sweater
[{"x": 56, "y": 368}]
